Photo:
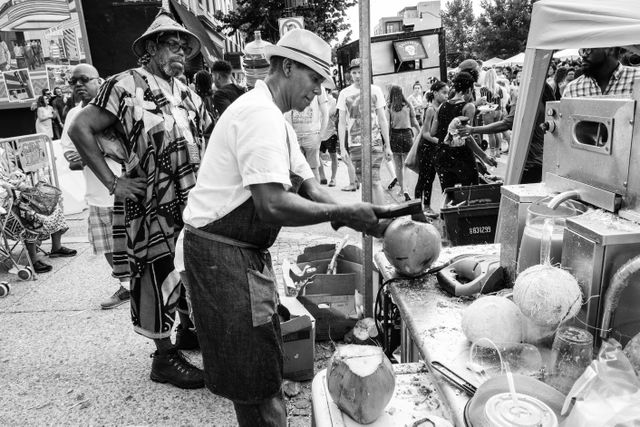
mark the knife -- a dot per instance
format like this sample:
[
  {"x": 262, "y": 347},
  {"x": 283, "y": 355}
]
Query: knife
[{"x": 393, "y": 211}]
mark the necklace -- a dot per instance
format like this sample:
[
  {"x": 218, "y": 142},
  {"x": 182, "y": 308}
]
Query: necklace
[{"x": 180, "y": 117}]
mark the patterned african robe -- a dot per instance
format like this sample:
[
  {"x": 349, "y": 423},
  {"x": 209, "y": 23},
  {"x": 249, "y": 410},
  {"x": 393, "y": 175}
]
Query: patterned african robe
[{"x": 164, "y": 141}]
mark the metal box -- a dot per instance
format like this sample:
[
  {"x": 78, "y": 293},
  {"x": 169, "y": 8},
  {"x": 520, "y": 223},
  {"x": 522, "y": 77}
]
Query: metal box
[
  {"x": 593, "y": 141},
  {"x": 514, "y": 202},
  {"x": 595, "y": 245}
]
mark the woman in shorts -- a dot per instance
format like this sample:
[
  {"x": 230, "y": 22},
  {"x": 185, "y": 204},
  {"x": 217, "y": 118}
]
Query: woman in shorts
[{"x": 403, "y": 127}]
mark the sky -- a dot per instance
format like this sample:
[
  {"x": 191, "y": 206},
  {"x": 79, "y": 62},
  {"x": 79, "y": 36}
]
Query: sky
[{"x": 381, "y": 8}]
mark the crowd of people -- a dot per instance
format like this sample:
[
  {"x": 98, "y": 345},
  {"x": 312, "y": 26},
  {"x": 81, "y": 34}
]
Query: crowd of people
[{"x": 189, "y": 185}]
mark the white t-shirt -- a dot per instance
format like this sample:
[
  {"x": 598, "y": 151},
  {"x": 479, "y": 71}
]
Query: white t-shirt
[
  {"x": 248, "y": 146},
  {"x": 330, "y": 129},
  {"x": 308, "y": 121},
  {"x": 96, "y": 194},
  {"x": 349, "y": 101}
]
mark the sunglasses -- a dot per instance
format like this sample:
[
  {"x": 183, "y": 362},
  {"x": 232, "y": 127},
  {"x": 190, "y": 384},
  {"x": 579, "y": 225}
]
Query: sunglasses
[
  {"x": 82, "y": 79},
  {"x": 175, "y": 46}
]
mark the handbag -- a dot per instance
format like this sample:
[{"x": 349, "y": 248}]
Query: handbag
[
  {"x": 412, "y": 161},
  {"x": 42, "y": 198}
]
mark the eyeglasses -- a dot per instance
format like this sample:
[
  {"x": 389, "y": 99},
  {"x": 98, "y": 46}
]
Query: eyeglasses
[
  {"x": 82, "y": 79},
  {"x": 175, "y": 47},
  {"x": 584, "y": 52}
]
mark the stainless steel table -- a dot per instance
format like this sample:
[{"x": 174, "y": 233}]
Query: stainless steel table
[{"x": 431, "y": 324}]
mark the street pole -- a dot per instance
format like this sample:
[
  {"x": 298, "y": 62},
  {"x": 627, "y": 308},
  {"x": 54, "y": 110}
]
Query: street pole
[{"x": 365, "y": 98}]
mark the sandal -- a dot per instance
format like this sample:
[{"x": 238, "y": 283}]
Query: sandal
[
  {"x": 40, "y": 267},
  {"x": 332, "y": 183},
  {"x": 63, "y": 252}
]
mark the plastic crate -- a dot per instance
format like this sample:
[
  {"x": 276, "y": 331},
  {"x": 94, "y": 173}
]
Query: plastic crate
[{"x": 470, "y": 213}]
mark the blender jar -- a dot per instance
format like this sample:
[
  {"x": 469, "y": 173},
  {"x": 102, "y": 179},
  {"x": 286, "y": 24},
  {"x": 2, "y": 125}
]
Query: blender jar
[{"x": 545, "y": 226}]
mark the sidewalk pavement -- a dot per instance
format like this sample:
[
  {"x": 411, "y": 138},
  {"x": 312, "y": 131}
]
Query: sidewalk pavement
[{"x": 67, "y": 362}]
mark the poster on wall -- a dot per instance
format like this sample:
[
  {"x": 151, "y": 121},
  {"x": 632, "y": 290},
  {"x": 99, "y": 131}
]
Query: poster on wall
[
  {"x": 18, "y": 85},
  {"x": 39, "y": 43}
]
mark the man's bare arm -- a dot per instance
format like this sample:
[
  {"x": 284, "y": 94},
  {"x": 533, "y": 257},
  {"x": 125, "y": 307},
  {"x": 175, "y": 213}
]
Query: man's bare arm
[{"x": 89, "y": 122}]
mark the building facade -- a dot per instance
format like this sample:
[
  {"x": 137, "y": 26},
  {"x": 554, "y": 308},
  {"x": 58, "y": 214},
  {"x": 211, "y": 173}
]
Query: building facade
[{"x": 424, "y": 16}]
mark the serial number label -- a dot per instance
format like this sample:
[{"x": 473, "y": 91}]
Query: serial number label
[{"x": 480, "y": 230}]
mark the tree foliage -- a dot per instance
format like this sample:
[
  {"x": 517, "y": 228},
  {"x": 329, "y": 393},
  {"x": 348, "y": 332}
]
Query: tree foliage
[
  {"x": 324, "y": 17},
  {"x": 458, "y": 23},
  {"x": 502, "y": 28}
]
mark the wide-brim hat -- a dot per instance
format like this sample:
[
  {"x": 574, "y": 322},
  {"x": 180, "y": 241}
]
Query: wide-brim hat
[
  {"x": 307, "y": 48},
  {"x": 164, "y": 22}
]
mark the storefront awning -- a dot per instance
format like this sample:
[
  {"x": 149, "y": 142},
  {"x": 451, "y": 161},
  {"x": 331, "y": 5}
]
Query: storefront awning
[
  {"x": 409, "y": 49},
  {"x": 210, "y": 51}
]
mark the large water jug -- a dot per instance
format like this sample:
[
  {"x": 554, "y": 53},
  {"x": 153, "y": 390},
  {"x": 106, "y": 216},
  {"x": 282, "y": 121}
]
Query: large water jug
[
  {"x": 254, "y": 62},
  {"x": 540, "y": 214}
]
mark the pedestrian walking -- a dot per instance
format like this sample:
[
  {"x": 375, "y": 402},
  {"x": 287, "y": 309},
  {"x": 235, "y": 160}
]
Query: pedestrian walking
[{"x": 403, "y": 124}]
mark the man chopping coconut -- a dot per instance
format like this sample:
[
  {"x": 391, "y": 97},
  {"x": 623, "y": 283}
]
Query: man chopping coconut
[{"x": 245, "y": 192}]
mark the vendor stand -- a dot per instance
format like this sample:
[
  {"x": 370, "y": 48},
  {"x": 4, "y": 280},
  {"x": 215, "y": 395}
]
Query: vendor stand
[
  {"x": 591, "y": 156},
  {"x": 603, "y": 176}
]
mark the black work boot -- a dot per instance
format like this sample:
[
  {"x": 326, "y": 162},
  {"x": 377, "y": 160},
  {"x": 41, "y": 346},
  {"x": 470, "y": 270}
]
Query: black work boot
[
  {"x": 171, "y": 367},
  {"x": 186, "y": 339}
]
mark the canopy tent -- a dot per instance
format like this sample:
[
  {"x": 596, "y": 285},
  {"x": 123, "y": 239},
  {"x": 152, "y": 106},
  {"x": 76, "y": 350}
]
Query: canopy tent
[
  {"x": 562, "y": 24},
  {"x": 567, "y": 54},
  {"x": 492, "y": 61},
  {"x": 514, "y": 60}
]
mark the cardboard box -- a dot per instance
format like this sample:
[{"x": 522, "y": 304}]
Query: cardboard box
[
  {"x": 330, "y": 298},
  {"x": 298, "y": 335}
]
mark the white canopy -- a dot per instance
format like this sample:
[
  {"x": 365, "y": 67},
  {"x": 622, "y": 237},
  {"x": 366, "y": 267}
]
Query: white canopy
[
  {"x": 562, "y": 24},
  {"x": 514, "y": 60},
  {"x": 567, "y": 54},
  {"x": 492, "y": 61}
]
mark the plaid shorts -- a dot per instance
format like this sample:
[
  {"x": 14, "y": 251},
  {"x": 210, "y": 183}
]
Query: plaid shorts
[{"x": 100, "y": 229}]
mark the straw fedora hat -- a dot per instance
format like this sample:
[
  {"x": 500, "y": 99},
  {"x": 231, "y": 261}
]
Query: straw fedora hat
[
  {"x": 307, "y": 48},
  {"x": 164, "y": 22}
]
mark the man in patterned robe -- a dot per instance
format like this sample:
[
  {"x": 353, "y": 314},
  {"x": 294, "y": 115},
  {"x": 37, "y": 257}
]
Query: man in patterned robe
[{"x": 159, "y": 126}]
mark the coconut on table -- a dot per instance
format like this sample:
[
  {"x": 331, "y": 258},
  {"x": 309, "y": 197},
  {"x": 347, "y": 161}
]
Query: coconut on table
[{"x": 361, "y": 387}]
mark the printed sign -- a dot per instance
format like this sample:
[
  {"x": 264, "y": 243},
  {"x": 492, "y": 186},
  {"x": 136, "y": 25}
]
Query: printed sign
[
  {"x": 410, "y": 50},
  {"x": 288, "y": 24}
]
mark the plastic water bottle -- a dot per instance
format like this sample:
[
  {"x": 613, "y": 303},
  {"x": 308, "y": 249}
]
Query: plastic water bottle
[{"x": 254, "y": 62}]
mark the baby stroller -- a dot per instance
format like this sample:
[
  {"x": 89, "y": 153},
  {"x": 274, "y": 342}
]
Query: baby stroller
[
  {"x": 18, "y": 225},
  {"x": 14, "y": 234}
]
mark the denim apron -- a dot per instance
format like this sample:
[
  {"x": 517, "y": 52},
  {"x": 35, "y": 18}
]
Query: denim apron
[{"x": 234, "y": 297}]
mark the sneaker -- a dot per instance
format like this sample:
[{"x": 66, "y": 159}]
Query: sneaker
[
  {"x": 323, "y": 181},
  {"x": 186, "y": 339},
  {"x": 332, "y": 183},
  {"x": 171, "y": 367},
  {"x": 121, "y": 296}
]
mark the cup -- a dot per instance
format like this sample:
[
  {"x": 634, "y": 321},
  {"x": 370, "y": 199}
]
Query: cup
[{"x": 571, "y": 353}]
